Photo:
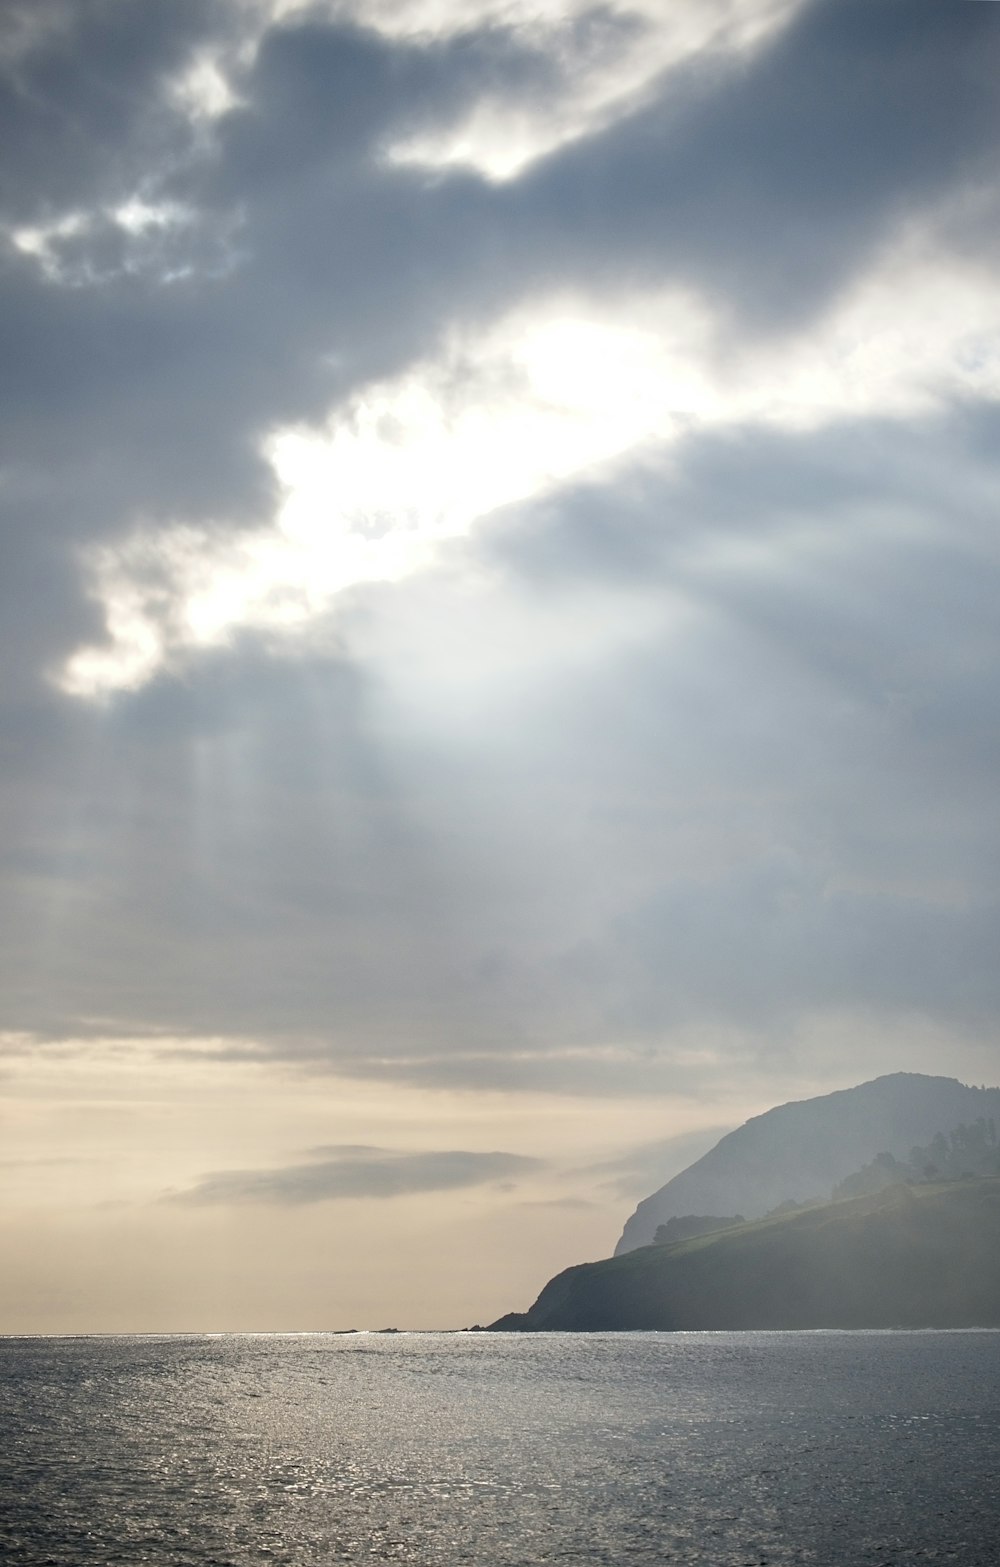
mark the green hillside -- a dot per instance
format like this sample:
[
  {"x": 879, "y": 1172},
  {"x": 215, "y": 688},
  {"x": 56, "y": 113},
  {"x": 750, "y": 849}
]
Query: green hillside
[{"x": 906, "y": 1256}]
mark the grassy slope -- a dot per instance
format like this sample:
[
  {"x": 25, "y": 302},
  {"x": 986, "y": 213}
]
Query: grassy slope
[{"x": 909, "y": 1256}]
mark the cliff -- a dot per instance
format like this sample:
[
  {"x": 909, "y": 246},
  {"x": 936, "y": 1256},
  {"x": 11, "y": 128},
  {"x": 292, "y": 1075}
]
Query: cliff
[{"x": 908, "y": 1256}]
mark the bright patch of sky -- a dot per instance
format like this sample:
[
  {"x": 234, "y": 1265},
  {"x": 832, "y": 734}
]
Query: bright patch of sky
[{"x": 547, "y": 396}]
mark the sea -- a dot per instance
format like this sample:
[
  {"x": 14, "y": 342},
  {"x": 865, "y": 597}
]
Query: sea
[{"x": 728, "y": 1449}]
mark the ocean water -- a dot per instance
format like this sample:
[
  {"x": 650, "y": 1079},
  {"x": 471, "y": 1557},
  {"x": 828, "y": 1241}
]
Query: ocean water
[{"x": 837, "y": 1449}]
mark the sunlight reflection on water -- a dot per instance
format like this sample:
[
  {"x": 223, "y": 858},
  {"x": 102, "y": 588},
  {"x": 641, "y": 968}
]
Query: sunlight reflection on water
[{"x": 464, "y": 1448}]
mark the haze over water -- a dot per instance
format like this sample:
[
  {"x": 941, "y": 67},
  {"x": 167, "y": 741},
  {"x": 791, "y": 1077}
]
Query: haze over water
[{"x": 729, "y": 1449}]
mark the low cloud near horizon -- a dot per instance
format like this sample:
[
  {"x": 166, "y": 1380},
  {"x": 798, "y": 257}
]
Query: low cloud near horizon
[
  {"x": 354, "y": 1171},
  {"x": 499, "y": 583}
]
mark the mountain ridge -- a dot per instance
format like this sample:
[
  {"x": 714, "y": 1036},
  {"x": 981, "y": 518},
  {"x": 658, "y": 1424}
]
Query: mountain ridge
[{"x": 797, "y": 1152}]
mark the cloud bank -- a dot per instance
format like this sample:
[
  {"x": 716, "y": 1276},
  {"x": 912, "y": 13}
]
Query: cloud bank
[{"x": 499, "y": 537}]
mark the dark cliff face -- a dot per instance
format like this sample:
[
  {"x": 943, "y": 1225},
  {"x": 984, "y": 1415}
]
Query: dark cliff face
[
  {"x": 923, "y": 1256},
  {"x": 800, "y": 1151}
]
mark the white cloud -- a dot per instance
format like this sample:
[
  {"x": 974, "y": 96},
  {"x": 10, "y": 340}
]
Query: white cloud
[
  {"x": 39, "y": 240},
  {"x": 137, "y": 215},
  {"x": 162, "y": 240},
  {"x": 548, "y": 395},
  {"x": 603, "y": 71},
  {"x": 407, "y": 465},
  {"x": 449, "y": 18},
  {"x": 204, "y": 90}
]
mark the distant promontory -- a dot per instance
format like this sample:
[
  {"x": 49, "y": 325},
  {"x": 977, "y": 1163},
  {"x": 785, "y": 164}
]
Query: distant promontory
[
  {"x": 875, "y": 1206},
  {"x": 906, "y": 1256}
]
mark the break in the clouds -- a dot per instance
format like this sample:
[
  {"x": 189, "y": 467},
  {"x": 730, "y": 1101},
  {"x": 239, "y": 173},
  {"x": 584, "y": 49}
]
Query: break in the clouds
[
  {"x": 499, "y": 537},
  {"x": 358, "y": 1171}
]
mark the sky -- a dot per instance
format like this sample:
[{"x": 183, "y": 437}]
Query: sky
[{"x": 498, "y": 640}]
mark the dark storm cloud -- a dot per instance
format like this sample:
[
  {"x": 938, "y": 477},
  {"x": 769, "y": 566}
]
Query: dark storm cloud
[
  {"x": 314, "y": 266},
  {"x": 769, "y": 186},
  {"x": 82, "y": 120},
  {"x": 82, "y": 114},
  {"x": 321, "y": 98},
  {"x": 360, "y": 1172}
]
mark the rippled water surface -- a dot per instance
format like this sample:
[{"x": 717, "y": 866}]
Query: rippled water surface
[{"x": 853, "y": 1449}]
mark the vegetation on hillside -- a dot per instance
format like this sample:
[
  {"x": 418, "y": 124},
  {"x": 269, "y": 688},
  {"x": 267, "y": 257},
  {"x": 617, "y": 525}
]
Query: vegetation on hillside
[
  {"x": 925, "y": 1255},
  {"x": 967, "y": 1151}
]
